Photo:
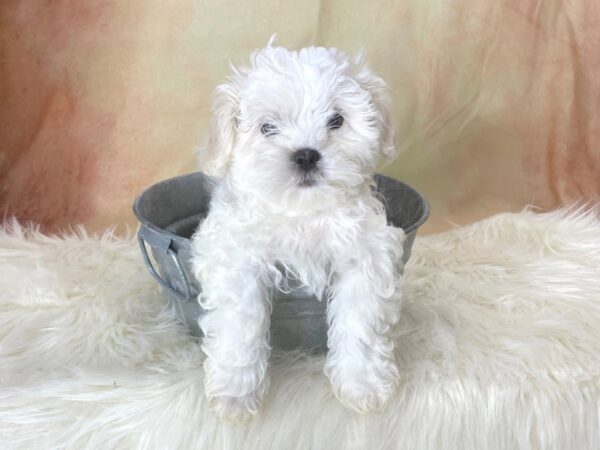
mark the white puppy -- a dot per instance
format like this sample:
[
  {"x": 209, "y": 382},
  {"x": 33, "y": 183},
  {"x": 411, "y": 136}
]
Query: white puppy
[{"x": 295, "y": 140}]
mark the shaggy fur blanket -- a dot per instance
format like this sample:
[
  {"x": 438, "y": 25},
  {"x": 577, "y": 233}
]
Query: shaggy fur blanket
[{"x": 498, "y": 347}]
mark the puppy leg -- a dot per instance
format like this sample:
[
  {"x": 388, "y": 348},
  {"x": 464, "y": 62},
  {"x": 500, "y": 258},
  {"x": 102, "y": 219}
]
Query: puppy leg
[
  {"x": 235, "y": 339},
  {"x": 365, "y": 305}
]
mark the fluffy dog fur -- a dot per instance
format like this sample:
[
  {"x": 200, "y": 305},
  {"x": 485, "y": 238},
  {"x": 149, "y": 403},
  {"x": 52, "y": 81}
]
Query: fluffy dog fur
[{"x": 324, "y": 226}]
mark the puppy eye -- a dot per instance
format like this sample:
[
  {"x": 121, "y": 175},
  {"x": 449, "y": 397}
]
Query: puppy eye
[
  {"x": 335, "y": 122},
  {"x": 268, "y": 129}
]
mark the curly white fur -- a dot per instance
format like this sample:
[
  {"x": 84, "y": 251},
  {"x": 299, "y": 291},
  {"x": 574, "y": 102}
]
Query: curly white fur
[{"x": 324, "y": 226}]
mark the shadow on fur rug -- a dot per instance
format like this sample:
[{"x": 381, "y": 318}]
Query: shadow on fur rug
[{"x": 498, "y": 347}]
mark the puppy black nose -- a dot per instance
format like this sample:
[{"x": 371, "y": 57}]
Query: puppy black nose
[{"x": 306, "y": 158}]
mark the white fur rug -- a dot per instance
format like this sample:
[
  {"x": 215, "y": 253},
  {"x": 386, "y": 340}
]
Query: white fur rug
[{"x": 499, "y": 348}]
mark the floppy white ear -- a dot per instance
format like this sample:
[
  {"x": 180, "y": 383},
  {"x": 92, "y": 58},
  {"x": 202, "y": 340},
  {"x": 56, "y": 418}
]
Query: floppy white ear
[
  {"x": 214, "y": 158},
  {"x": 378, "y": 90}
]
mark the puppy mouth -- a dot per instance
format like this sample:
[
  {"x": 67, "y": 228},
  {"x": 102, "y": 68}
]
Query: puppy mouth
[
  {"x": 307, "y": 182},
  {"x": 306, "y": 179}
]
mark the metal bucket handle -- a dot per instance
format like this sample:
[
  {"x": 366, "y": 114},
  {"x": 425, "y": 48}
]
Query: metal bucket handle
[{"x": 162, "y": 243}]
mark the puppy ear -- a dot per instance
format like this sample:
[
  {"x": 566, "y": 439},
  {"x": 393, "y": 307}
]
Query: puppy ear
[
  {"x": 214, "y": 158},
  {"x": 378, "y": 90}
]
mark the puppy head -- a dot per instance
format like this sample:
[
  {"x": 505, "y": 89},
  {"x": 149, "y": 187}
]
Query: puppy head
[{"x": 299, "y": 126}]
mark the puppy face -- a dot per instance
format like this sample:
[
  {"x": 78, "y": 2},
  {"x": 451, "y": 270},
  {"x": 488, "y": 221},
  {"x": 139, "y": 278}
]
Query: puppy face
[{"x": 299, "y": 128}]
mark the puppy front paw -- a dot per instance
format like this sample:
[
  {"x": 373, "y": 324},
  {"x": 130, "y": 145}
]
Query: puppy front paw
[
  {"x": 234, "y": 410},
  {"x": 235, "y": 395},
  {"x": 366, "y": 387}
]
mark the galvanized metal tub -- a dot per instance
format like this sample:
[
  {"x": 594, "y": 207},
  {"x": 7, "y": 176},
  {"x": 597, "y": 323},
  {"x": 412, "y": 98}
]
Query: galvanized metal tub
[{"x": 170, "y": 211}]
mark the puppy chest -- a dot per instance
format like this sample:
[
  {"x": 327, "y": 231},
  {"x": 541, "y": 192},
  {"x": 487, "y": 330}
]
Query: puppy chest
[{"x": 304, "y": 253}]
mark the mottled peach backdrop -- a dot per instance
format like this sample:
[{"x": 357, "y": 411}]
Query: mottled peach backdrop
[{"x": 496, "y": 102}]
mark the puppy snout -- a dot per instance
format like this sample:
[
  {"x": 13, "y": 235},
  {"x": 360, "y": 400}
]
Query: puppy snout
[{"x": 306, "y": 158}]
